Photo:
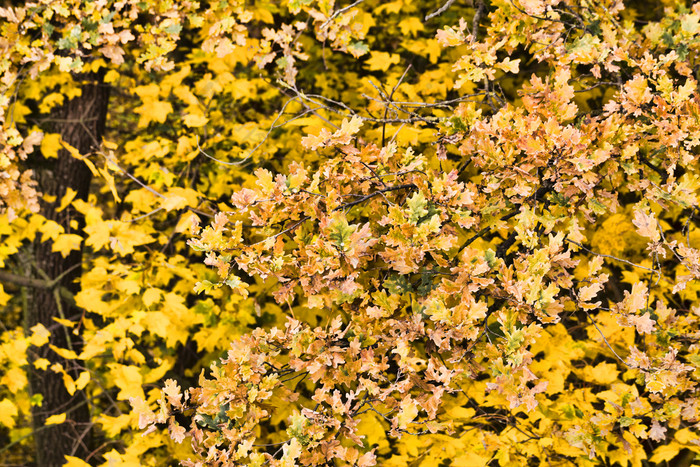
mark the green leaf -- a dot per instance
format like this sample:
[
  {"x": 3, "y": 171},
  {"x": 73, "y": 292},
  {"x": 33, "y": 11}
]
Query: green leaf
[
  {"x": 417, "y": 208},
  {"x": 340, "y": 232}
]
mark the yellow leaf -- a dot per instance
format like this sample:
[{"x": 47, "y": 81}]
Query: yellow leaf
[
  {"x": 114, "y": 425},
  {"x": 472, "y": 459},
  {"x": 665, "y": 452},
  {"x": 69, "y": 383},
  {"x": 40, "y": 335},
  {"x": 75, "y": 153},
  {"x": 65, "y": 243},
  {"x": 55, "y": 419},
  {"x": 50, "y": 145},
  {"x": 4, "y": 297},
  {"x": 99, "y": 234},
  {"x": 449, "y": 37},
  {"x": 685, "y": 436},
  {"x": 109, "y": 144},
  {"x": 178, "y": 198},
  {"x": 407, "y": 412},
  {"x": 65, "y": 322},
  {"x": 75, "y": 462},
  {"x": 153, "y": 111},
  {"x": 82, "y": 380},
  {"x": 349, "y": 127},
  {"x": 589, "y": 291},
  {"x": 147, "y": 92},
  {"x": 110, "y": 183},
  {"x": 128, "y": 286},
  {"x": 655, "y": 386},
  {"x": 509, "y": 66},
  {"x": 186, "y": 222},
  {"x": 50, "y": 229},
  {"x": 637, "y": 89},
  {"x": 128, "y": 379},
  {"x": 151, "y": 296},
  {"x": 157, "y": 323},
  {"x": 65, "y": 353},
  {"x": 410, "y": 26},
  {"x": 111, "y": 76},
  {"x": 381, "y": 61},
  {"x": 172, "y": 202},
  {"x": 8, "y": 411},
  {"x": 126, "y": 237},
  {"x": 41, "y": 364},
  {"x": 603, "y": 373},
  {"x": 67, "y": 198},
  {"x": 461, "y": 413},
  {"x": 195, "y": 120}
]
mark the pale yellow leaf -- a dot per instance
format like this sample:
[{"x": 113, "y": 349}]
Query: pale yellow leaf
[
  {"x": 646, "y": 225},
  {"x": 195, "y": 120},
  {"x": 637, "y": 298},
  {"x": 40, "y": 335}
]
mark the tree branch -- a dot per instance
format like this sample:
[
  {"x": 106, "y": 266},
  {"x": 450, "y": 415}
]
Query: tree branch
[
  {"x": 25, "y": 281},
  {"x": 440, "y": 10},
  {"x": 373, "y": 194}
]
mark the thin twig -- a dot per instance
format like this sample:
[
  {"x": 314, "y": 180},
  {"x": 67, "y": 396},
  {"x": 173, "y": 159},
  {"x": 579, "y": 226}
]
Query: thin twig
[
  {"x": 614, "y": 257},
  {"x": 440, "y": 10},
  {"x": 608, "y": 343},
  {"x": 339, "y": 12},
  {"x": 373, "y": 194},
  {"x": 475, "y": 21}
]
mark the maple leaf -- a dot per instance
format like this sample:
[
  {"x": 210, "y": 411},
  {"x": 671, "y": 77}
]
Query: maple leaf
[
  {"x": 8, "y": 412},
  {"x": 65, "y": 243},
  {"x": 381, "y": 61}
]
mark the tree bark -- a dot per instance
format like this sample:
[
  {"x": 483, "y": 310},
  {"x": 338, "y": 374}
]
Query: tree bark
[{"x": 81, "y": 123}]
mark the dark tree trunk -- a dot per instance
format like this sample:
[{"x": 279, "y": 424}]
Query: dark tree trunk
[{"x": 81, "y": 123}]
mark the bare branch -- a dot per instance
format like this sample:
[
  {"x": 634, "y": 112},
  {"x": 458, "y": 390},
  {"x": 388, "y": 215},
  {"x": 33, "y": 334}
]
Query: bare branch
[
  {"x": 339, "y": 12},
  {"x": 440, "y": 10}
]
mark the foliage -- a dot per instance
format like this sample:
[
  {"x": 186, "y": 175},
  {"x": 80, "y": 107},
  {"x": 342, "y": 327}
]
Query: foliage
[{"x": 459, "y": 236}]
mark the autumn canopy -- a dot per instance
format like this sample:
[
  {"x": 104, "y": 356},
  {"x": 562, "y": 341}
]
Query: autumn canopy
[{"x": 311, "y": 232}]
